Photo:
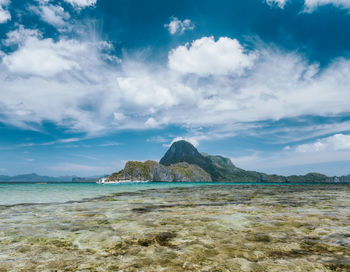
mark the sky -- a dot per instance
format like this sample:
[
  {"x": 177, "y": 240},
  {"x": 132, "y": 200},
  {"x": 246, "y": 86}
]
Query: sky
[{"x": 86, "y": 85}]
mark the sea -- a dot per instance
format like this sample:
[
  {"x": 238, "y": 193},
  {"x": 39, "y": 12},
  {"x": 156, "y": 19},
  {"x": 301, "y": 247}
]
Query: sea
[{"x": 159, "y": 226}]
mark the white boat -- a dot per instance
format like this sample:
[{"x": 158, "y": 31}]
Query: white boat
[
  {"x": 106, "y": 181},
  {"x": 102, "y": 180}
]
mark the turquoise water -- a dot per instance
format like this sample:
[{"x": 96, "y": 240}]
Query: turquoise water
[
  {"x": 20, "y": 193},
  {"x": 30, "y": 193}
]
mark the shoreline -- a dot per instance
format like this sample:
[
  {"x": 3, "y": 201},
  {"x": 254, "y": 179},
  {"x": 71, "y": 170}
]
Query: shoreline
[{"x": 172, "y": 182}]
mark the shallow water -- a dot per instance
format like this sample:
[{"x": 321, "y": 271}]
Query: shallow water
[
  {"x": 193, "y": 228},
  {"x": 19, "y": 193}
]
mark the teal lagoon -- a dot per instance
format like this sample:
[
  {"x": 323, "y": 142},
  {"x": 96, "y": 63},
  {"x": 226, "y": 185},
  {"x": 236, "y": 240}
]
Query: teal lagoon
[{"x": 60, "y": 192}]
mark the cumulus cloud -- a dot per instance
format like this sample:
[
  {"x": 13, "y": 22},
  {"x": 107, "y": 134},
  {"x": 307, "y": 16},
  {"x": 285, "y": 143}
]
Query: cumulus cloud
[
  {"x": 52, "y": 14},
  {"x": 57, "y": 81},
  {"x": 4, "y": 13},
  {"x": 278, "y": 3},
  {"x": 44, "y": 57},
  {"x": 151, "y": 123},
  {"x": 311, "y": 5},
  {"x": 81, "y": 3},
  {"x": 221, "y": 87},
  {"x": 20, "y": 35},
  {"x": 301, "y": 158},
  {"x": 334, "y": 143},
  {"x": 132, "y": 86},
  {"x": 177, "y": 26},
  {"x": 118, "y": 116},
  {"x": 206, "y": 56}
]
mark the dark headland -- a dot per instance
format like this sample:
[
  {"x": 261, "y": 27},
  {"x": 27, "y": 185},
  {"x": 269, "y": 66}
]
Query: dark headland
[{"x": 184, "y": 163}]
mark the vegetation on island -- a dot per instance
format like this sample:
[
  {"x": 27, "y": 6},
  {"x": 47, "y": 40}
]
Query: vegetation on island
[
  {"x": 183, "y": 162},
  {"x": 116, "y": 175},
  {"x": 191, "y": 171}
]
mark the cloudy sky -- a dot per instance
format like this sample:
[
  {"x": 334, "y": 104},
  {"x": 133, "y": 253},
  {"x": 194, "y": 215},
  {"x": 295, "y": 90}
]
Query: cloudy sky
[{"x": 86, "y": 85}]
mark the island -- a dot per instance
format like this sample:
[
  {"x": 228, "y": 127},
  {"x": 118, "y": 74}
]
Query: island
[{"x": 184, "y": 163}]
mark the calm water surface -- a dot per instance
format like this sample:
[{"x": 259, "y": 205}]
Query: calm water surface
[
  {"x": 174, "y": 227},
  {"x": 16, "y": 193}
]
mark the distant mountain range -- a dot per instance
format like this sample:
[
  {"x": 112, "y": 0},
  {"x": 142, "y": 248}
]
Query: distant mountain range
[
  {"x": 183, "y": 162},
  {"x": 37, "y": 178}
]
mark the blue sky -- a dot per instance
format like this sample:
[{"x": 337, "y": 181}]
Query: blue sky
[{"x": 86, "y": 85}]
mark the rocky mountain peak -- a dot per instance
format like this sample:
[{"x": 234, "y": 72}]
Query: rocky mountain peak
[{"x": 181, "y": 151}]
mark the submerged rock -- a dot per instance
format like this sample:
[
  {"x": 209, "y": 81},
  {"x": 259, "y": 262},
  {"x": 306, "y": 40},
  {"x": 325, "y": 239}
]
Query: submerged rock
[{"x": 164, "y": 237}]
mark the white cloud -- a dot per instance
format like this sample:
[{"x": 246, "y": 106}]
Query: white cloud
[
  {"x": 157, "y": 139},
  {"x": 55, "y": 81},
  {"x": 334, "y": 143},
  {"x": 191, "y": 140},
  {"x": 177, "y": 26},
  {"x": 61, "y": 141},
  {"x": 70, "y": 84},
  {"x": 20, "y": 36},
  {"x": 4, "y": 2},
  {"x": 44, "y": 57},
  {"x": 151, "y": 123},
  {"x": 206, "y": 56},
  {"x": 81, "y": 3},
  {"x": 311, "y": 5},
  {"x": 118, "y": 116},
  {"x": 279, "y": 3},
  {"x": 110, "y": 144},
  {"x": 4, "y": 13},
  {"x": 69, "y": 140},
  {"x": 302, "y": 159},
  {"x": 292, "y": 162},
  {"x": 52, "y": 14},
  {"x": 304, "y": 129},
  {"x": 136, "y": 90}
]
